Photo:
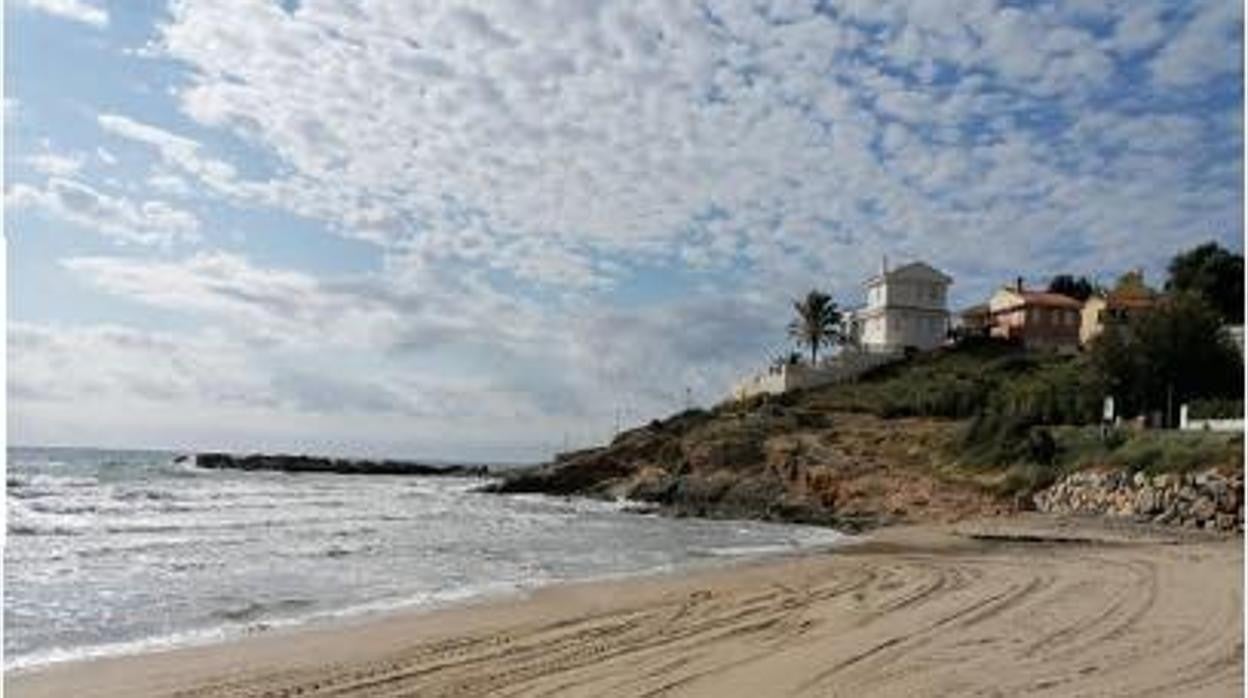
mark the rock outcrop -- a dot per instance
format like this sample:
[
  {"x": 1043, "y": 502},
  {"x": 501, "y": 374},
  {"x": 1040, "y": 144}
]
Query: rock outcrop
[
  {"x": 1206, "y": 500},
  {"x": 777, "y": 462},
  {"x": 344, "y": 466}
]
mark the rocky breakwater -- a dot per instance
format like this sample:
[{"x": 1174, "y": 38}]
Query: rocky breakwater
[
  {"x": 1206, "y": 500},
  {"x": 342, "y": 466}
]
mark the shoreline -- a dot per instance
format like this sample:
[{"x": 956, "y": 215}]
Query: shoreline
[
  {"x": 415, "y": 605},
  {"x": 797, "y": 619}
]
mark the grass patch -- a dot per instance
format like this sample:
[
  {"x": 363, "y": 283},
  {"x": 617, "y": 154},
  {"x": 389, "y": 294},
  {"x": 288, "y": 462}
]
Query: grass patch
[{"x": 1151, "y": 452}]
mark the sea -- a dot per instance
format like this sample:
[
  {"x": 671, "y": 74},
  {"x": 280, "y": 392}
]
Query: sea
[{"x": 114, "y": 552}]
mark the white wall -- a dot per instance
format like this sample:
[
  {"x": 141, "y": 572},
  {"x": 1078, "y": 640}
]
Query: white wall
[
  {"x": 844, "y": 367},
  {"x": 899, "y": 319},
  {"x": 920, "y": 294},
  {"x": 1208, "y": 424}
]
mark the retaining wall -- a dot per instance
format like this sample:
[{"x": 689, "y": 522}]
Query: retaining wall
[{"x": 1206, "y": 500}]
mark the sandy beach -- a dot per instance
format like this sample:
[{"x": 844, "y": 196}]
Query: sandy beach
[{"x": 1002, "y": 608}]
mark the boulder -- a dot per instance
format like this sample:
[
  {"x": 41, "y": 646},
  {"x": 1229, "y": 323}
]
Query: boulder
[{"x": 1203, "y": 509}]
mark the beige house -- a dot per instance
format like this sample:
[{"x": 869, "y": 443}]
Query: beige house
[
  {"x": 1035, "y": 319},
  {"x": 906, "y": 308},
  {"x": 1114, "y": 309}
]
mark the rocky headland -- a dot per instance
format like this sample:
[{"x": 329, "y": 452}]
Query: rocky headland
[{"x": 916, "y": 442}]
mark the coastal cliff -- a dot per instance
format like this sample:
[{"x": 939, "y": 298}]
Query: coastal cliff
[{"x": 926, "y": 440}]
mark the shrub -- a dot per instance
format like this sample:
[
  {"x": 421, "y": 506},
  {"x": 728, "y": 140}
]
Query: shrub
[{"x": 1216, "y": 409}]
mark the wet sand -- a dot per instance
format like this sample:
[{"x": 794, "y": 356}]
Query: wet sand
[{"x": 1005, "y": 608}]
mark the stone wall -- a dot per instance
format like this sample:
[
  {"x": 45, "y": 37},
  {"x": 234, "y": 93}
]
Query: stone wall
[{"x": 1206, "y": 500}]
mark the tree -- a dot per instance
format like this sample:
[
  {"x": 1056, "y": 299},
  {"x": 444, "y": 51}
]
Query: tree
[
  {"x": 1174, "y": 354},
  {"x": 1215, "y": 273},
  {"x": 818, "y": 322},
  {"x": 1132, "y": 284},
  {"x": 1080, "y": 289}
]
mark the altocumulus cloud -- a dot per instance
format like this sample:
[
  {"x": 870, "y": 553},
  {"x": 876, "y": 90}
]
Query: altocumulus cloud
[{"x": 566, "y": 133}]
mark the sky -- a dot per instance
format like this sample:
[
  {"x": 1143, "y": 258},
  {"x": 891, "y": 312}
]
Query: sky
[{"x": 491, "y": 231}]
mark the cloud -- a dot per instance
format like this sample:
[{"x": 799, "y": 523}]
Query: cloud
[
  {"x": 50, "y": 363},
  {"x": 56, "y": 164},
  {"x": 546, "y": 362},
  {"x": 143, "y": 223},
  {"x": 74, "y": 10},
  {"x": 1139, "y": 29},
  {"x": 178, "y": 151},
  {"x": 112, "y": 385},
  {"x": 270, "y": 305},
  {"x": 700, "y": 344},
  {"x": 119, "y": 364},
  {"x": 409, "y": 312},
  {"x": 1209, "y": 45}
]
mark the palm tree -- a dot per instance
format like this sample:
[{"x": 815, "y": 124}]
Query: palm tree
[{"x": 818, "y": 322}]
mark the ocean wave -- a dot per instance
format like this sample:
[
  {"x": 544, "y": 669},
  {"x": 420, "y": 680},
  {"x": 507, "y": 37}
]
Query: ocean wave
[
  {"x": 36, "y": 529},
  {"x": 142, "y": 493},
  {"x": 256, "y": 609},
  {"x": 25, "y": 520},
  {"x": 26, "y": 485},
  {"x": 64, "y": 507},
  {"x": 250, "y": 618},
  {"x": 55, "y": 655}
]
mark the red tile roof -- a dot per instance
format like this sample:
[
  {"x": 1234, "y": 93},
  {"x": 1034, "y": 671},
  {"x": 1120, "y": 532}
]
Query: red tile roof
[
  {"x": 1048, "y": 299},
  {"x": 1130, "y": 301}
]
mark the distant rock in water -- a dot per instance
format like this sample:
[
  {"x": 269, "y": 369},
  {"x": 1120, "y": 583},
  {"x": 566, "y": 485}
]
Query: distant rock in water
[{"x": 343, "y": 466}]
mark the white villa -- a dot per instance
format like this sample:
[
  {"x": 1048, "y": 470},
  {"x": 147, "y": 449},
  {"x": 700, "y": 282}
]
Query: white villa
[{"x": 906, "y": 307}]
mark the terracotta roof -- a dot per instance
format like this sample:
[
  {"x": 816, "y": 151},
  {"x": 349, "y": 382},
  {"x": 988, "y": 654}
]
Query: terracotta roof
[
  {"x": 1048, "y": 299},
  {"x": 1130, "y": 300}
]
